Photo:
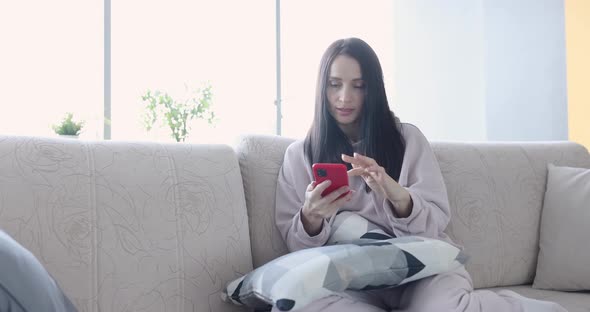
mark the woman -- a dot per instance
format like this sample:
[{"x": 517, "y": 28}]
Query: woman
[{"x": 395, "y": 182}]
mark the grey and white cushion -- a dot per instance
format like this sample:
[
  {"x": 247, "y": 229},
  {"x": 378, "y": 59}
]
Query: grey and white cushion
[
  {"x": 358, "y": 256},
  {"x": 349, "y": 226}
]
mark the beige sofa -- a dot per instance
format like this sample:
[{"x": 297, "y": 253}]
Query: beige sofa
[{"x": 138, "y": 226}]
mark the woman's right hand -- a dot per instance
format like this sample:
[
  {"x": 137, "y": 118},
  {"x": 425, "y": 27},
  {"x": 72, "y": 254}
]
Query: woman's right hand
[{"x": 317, "y": 208}]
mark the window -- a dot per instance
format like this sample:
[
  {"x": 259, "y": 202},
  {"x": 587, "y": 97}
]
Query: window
[
  {"x": 308, "y": 28},
  {"x": 167, "y": 44},
  {"x": 54, "y": 63},
  {"x": 51, "y": 63}
]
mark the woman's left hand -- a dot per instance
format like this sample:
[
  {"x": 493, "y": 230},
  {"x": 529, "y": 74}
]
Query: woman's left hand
[
  {"x": 379, "y": 181},
  {"x": 374, "y": 175}
]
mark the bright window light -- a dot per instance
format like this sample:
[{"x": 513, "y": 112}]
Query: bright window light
[
  {"x": 308, "y": 28},
  {"x": 51, "y": 63},
  {"x": 166, "y": 45}
]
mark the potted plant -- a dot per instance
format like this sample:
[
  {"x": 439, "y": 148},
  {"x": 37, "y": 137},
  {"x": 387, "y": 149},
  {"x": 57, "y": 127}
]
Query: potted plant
[
  {"x": 68, "y": 127},
  {"x": 177, "y": 114}
]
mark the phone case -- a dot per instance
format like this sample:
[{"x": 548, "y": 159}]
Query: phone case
[{"x": 337, "y": 173}]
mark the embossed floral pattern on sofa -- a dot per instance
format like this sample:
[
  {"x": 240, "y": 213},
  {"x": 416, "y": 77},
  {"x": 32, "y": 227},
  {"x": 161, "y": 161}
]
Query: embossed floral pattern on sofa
[{"x": 128, "y": 226}]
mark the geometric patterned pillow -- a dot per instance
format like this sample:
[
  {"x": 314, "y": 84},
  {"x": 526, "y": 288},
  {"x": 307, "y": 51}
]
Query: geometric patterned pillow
[{"x": 370, "y": 261}]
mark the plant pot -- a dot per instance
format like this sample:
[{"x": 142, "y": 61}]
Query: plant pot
[{"x": 67, "y": 136}]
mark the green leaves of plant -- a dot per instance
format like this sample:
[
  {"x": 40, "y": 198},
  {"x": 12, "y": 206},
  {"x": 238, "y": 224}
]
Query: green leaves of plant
[
  {"x": 177, "y": 114},
  {"x": 68, "y": 126}
]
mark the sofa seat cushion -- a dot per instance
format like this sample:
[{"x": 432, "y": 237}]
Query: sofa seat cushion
[{"x": 571, "y": 301}]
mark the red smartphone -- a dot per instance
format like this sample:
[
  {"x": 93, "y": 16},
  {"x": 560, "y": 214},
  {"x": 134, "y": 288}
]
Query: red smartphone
[{"x": 337, "y": 173}]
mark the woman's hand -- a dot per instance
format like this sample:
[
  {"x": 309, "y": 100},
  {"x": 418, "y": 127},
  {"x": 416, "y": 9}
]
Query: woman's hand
[
  {"x": 374, "y": 175},
  {"x": 317, "y": 208},
  {"x": 379, "y": 181}
]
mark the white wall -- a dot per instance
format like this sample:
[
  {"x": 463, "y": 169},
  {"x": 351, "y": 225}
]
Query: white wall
[
  {"x": 471, "y": 70},
  {"x": 438, "y": 83},
  {"x": 525, "y": 70}
]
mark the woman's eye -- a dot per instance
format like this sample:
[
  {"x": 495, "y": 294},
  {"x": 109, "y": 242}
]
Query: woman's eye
[{"x": 334, "y": 84}]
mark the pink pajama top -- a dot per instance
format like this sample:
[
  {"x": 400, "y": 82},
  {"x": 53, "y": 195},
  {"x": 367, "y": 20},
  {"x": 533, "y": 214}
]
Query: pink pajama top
[{"x": 420, "y": 175}]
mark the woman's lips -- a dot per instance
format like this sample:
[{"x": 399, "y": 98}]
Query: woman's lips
[{"x": 345, "y": 111}]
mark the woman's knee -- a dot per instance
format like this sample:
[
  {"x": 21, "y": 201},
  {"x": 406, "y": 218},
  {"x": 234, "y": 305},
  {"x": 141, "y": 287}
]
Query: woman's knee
[
  {"x": 337, "y": 303},
  {"x": 444, "y": 290}
]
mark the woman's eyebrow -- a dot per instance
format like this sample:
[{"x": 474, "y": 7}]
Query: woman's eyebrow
[{"x": 338, "y": 78}]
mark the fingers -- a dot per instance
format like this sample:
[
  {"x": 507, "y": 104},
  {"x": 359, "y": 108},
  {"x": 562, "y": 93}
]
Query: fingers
[
  {"x": 372, "y": 168},
  {"x": 338, "y": 203},
  {"x": 356, "y": 172},
  {"x": 367, "y": 161},
  {"x": 349, "y": 159},
  {"x": 320, "y": 188},
  {"x": 335, "y": 205},
  {"x": 359, "y": 160},
  {"x": 325, "y": 207},
  {"x": 364, "y": 172},
  {"x": 353, "y": 161},
  {"x": 375, "y": 169},
  {"x": 335, "y": 194}
]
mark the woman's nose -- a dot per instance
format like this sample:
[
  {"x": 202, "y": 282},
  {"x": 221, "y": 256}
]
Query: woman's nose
[{"x": 345, "y": 94}]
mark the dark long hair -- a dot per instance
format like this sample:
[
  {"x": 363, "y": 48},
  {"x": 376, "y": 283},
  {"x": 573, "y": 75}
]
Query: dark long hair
[{"x": 380, "y": 137}]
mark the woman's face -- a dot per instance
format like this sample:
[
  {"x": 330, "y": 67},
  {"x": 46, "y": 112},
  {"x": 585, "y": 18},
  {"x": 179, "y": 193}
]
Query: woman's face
[{"x": 345, "y": 91}]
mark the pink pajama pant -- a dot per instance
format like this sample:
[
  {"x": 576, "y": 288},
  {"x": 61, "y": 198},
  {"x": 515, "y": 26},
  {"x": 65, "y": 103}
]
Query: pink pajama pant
[{"x": 447, "y": 292}]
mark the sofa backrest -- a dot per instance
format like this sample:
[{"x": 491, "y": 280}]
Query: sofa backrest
[
  {"x": 495, "y": 191},
  {"x": 261, "y": 157},
  {"x": 127, "y": 225}
]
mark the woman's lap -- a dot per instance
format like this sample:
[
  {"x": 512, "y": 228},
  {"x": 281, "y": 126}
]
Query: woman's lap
[
  {"x": 336, "y": 303},
  {"x": 452, "y": 291},
  {"x": 378, "y": 300}
]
